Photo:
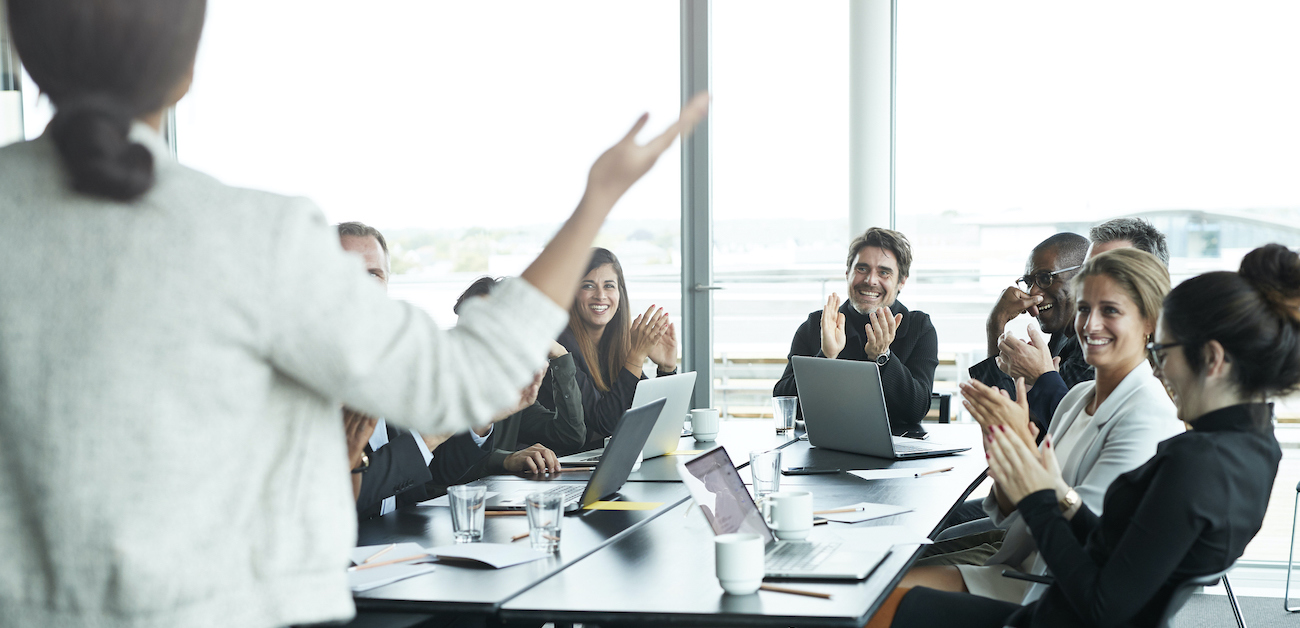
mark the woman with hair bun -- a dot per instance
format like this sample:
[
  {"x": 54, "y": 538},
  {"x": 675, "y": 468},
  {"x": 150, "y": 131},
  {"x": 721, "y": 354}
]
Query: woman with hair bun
[
  {"x": 174, "y": 352},
  {"x": 1225, "y": 343}
]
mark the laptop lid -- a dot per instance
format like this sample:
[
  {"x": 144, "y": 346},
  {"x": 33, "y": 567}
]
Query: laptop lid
[
  {"x": 716, "y": 487},
  {"x": 624, "y": 444},
  {"x": 667, "y": 432},
  {"x": 843, "y": 405}
]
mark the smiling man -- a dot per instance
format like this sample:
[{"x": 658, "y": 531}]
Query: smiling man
[
  {"x": 1044, "y": 293},
  {"x": 873, "y": 325}
]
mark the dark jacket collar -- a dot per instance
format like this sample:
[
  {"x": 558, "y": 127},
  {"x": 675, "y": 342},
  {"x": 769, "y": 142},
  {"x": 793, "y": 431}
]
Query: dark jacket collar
[
  {"x": 854, "y": 320},
  {"x": 1245, "y": 417}
]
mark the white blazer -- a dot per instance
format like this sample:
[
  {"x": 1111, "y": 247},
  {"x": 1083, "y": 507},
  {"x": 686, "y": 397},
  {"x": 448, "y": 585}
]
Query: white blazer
[{"x": 1122, "y": 436}]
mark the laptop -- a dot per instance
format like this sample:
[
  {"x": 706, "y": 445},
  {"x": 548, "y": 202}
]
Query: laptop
[
  {"x": 609, "y": 475},
  {"x": 667, "y": 432},
  {"x": 844, "y": 409},
  {"x": 717, "y": 488}
]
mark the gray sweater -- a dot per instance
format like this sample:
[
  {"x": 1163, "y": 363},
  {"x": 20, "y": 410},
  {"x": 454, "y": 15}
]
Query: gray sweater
[{"x": 171, "y": 370}]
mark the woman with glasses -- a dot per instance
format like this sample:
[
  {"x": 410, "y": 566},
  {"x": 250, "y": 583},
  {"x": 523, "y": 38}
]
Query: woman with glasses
[
  {"x": 1225, "y": 343},
  {"x": 1101, "y": 428}
]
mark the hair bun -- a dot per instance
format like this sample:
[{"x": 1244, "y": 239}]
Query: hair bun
[
  {"x": 1274, "y": 270},
  {"x": 91, "y": 134}
]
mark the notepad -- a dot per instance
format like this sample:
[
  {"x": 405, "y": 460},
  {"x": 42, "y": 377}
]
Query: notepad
[
  {"x": 497, "y": 555},
  {"x": 442, "y": 501},
  {"x": 892, "y": 474},
  {"x": 869, "y": 511},
  {"x": 368, "y": 579}
]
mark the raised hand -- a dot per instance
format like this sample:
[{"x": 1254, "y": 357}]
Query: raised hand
[
  {"x": 624, "y": 163},
  {"x": 357, "y": 428},
  {"x": 535, "y": 459},
  {"x": 1029, "y": 360},
  {"x": 664, "y": 352},
  {"x": 646, "y": 331},
  {"x": 992, "y": 407},
  {"x": 832, "y": 327},
  {"x": 1020, "y": 470},
  {"x": 881, "y": 331},
  {"x": 1012, "y": 303}
]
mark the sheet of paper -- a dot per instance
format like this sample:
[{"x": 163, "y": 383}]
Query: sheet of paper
[
  {"x": 893, "y": 474},
  {"x": 442, "y": 501},
  {"x": 880, "y": 538},
  {"x": 496, "y": 555},
  {"x": 867, "y": 511},
  {"x": 400, "y": 550},
  {"x": 685, "y": 452},
  {"x": 602, "y": 505},
  {"x": 367, "y": 579}
]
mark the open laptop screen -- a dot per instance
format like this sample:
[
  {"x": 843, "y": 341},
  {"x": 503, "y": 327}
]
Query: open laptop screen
[{"x": 717, "y": 488}]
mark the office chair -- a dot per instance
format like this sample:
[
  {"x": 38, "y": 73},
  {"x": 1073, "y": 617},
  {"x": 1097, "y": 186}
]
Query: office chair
[
  {"x": 1185, "y": 590},
  {"x": 1286, "y": 596}
]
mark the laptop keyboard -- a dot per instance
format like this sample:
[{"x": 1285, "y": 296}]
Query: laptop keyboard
[{"x": 786, "y": 557}]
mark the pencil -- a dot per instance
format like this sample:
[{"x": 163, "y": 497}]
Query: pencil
[
  {"x": 776, "y": 589},
  {"x": 379, "y": 553},
  {"x": 505, "y": 513},
  {"x": 388, "y": 562},
  {"x": 838, "y": 510},
  {"x": 935, "y": 471},
  {"x": 519, "y": 537}
]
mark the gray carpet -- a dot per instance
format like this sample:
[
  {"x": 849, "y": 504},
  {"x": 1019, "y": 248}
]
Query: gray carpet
[{"x": 1213, "y": 611}]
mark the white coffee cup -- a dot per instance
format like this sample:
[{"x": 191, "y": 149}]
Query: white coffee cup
[
  {"x": 704, "y": 424},
  {"x": 789, "y": 514},
  {"x": 739, "y": 562}
]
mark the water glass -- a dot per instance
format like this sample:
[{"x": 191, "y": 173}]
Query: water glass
[
  {"x": 783, "y": 409},
  {"x": 766, "y": 469},
  {"x": 545, "y": 515},
  {"x": 467, "y": 506}
]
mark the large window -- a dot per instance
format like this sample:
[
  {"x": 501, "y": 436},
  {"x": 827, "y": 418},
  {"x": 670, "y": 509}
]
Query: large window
[{"x": 463, "y": 131}]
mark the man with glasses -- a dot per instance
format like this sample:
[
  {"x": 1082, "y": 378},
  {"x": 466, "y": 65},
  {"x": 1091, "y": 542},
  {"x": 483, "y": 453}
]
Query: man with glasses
[{"x": 1044, "y": 293}]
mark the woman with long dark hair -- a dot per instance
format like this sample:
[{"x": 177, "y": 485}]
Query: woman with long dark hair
[
  {"x": 610, "y": 346},
  {"x": 1224, "y": 344},
  {"x": 174, "y": 352}
]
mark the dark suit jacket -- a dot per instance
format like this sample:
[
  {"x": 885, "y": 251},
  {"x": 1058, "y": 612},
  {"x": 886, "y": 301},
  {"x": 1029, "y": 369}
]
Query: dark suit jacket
[
  {"x": 394, "y": 469},
  {"x": 601, "y": 409},
  {"x": 908, "y": 376}
]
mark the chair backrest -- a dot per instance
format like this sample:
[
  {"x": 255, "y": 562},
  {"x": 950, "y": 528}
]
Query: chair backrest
[{"x": 1184, "y": 592}]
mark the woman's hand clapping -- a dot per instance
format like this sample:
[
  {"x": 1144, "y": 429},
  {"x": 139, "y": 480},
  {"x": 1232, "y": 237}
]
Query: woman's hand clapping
[
  {"x": 1020, "y": 470},
  {"x": 647, "y": 330},
  {"x": 664, "y": 352},
  {"x": 992, "y": 406}
]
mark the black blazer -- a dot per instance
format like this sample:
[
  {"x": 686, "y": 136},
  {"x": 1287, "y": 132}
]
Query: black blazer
[
  {"x": 907, "y": 378},
  {"x": 394, "y": 469},
  {"x": 601, "y": 409}
]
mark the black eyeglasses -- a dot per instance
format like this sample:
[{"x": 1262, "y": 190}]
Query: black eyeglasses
[
  {"x": 1157, "y": 351},
  {"x": 1043, "y": 278}
]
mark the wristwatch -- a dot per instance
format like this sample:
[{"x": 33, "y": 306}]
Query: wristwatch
[
  {"x": 365, "y": 464},
  {"x": 1070, "y": 501},
  {"x": 883, "y": 358}
]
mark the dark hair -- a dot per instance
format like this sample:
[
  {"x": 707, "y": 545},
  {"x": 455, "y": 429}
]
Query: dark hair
[
  {"x": 1254, "y": 313},
  {"x": 887, "y": 239},
  {"x": 1071, "y": 248},
  {"x": 103, "y": 64},
  {"x": 481, "y": 286},
  {"x": 1142, "y": 234},
  {"x": 606, "y": 359},
  {"x": 362, "y": 230}
]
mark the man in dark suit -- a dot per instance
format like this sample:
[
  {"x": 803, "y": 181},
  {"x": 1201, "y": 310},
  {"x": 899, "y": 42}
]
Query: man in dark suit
[{"x": 873, "y": 325}]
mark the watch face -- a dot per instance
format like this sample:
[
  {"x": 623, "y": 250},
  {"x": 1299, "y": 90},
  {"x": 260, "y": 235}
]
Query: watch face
[{"x": 882, "y": 359}]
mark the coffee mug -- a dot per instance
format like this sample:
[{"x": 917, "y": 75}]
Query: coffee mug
[
  {"x": 789, "y": 514},
  {"x": 739, "y": 562},
  {"x": 704, "y": 424}
]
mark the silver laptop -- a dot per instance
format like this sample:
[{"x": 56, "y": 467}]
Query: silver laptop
[
  {"x": 667, "y": 432},
  {"x": 844, "y": 408},
  {"x": 608, "y": 476},
  {"x": 717, "y": 488}
]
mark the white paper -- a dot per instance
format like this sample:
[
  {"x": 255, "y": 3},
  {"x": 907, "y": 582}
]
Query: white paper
[
  {"x": 893, "y": 474},
  {"x": 401, "y": 550},
  {"x": 868, "y": 511},
  {"x": 367, "y": 579},
  {"x": 496, "y": 555},
  {"x": 442, "y": 501},
  {"x": 881, "y": 538}
]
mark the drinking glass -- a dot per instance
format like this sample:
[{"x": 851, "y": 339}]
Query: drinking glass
[
  {"x": 783, "y": 413},
  {"x": 467, "y": 511},
  {"x": 545, "y": 515},
  {"x": 766, "y": 469}
]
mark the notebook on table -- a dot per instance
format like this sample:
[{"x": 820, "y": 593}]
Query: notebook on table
[
  {"x": 717, "y": 488},
  {"x": 667, "y": 432},
  {"x": 844, "y": 409},
  {"x": 609, "y": 475}
]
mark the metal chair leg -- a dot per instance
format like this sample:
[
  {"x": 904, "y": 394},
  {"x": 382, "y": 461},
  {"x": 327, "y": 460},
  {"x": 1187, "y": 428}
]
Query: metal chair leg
[
  {"x": 1232, "y": 599},
  {"x": 1286, "y": 595}
]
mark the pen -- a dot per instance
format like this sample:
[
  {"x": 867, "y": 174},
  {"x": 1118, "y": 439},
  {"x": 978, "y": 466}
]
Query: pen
[
  {"x": 388, "y": 562},
  {"x": 839, "y": 510},
  {"x": 935, "y": 471},
  {"x": 379, "y": 553}
]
